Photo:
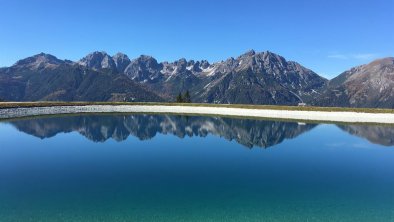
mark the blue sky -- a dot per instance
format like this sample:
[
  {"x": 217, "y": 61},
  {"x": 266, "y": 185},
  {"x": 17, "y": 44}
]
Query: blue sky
[{"x": 326, "y": 36}]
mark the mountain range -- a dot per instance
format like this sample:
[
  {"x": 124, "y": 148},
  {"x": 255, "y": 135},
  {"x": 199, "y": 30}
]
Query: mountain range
[{"x": 251, "y": 78}]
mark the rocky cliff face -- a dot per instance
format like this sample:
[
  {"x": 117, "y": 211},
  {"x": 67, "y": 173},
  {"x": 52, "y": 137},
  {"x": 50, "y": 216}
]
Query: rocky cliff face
[
  {"x": 370, "y": 85},
  {"x": 121, "y": 61},
  {"x": 144, "y": 69}
]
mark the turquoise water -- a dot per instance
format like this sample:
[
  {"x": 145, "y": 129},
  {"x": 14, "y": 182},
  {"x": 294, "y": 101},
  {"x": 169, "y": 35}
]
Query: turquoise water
[{"x": 178, "y": 168}]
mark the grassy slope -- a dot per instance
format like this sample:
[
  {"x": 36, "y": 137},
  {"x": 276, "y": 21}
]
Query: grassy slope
[{"x": 308, "y": 108}]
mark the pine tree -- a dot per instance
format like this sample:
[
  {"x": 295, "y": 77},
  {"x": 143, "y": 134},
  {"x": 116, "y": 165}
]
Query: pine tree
[
  {"x": 186, "y": 97},
  {"x": 179, "y": 98}
]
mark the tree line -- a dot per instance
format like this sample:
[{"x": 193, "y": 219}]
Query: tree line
[{"x": 183, "y": 98}]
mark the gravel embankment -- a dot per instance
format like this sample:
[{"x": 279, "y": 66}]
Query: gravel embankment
[{"x": 350, "y": 117}]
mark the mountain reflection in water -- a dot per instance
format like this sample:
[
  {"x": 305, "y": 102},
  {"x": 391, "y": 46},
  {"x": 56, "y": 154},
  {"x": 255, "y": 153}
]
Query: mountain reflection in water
[
  {"x": 382, "y": 135},
  {"x": 248, "y": 132}
]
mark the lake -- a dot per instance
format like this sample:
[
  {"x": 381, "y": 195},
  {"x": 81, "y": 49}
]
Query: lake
[{"x": 193, "y": 168}]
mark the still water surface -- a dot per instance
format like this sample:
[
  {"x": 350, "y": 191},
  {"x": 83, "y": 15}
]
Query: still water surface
[{"x": 179, "y": 168}]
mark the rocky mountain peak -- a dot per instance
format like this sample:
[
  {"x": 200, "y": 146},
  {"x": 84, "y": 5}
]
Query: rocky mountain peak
[
  {"x": 98, "y": 60},
  {"x": 181, "y": 64},
  {"x": 121, "y": 61},
  {"x": 268, "y": 57},
  {"x": 146, "y": 59},
  {"x": 263, "y": 62},
  {"x": 39, "y": 61},
  {"x": 120, "y": 55},
  {"x": 249, "y": 53},
  {"x": 277, "y": 80},
  {"x": 204, "y": 64},
  {"x": 144, "y": 68}
]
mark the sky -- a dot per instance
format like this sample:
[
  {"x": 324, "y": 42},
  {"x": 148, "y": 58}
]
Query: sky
[{"x": 327, "y": 36}]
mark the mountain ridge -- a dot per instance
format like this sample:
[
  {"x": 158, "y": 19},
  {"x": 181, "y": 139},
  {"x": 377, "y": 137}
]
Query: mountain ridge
[
  {"x": 251, "y": 78},
  {"x": 368, "y": 85}
]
